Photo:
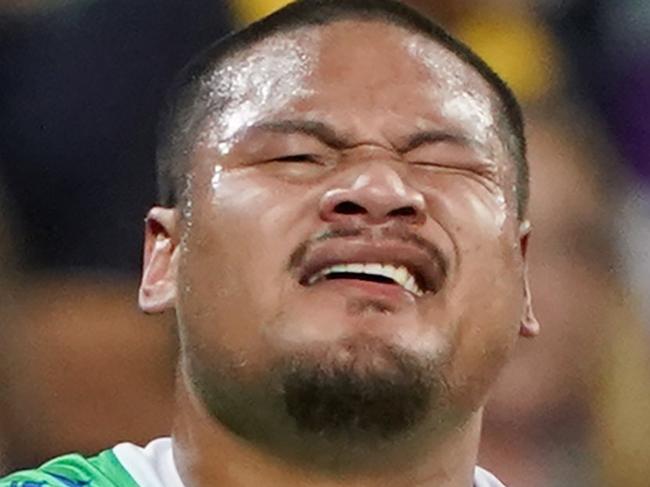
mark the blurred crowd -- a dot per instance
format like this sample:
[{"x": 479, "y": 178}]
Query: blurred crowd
[{"x": 81, "y": 368}]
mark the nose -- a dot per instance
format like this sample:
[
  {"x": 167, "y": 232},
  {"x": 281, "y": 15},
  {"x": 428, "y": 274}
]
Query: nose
[{"x": 376, "y": 195}]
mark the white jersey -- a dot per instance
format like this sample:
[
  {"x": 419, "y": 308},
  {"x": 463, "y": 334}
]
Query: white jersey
[{"x": 128, "y": 465}]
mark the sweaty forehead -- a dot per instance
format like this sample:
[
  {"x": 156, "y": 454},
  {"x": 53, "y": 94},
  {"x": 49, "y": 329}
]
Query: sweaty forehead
[
  {"x": 368, "y": 69},
  {"x": 388, "y": 68},
  {"x": 384, "y": 53},
  {"x": 379, "y": 51}
]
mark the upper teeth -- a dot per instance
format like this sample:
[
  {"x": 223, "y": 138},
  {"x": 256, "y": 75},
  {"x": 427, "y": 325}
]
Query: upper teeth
[{"x": 399, "y": 274}]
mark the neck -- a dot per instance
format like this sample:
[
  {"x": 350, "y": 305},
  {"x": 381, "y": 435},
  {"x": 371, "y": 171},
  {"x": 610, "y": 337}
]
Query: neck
[{"x": 207, "y": 454}]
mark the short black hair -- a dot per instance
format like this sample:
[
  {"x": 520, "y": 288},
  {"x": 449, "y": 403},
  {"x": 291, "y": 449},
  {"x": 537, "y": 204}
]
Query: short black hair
[{"x": 176, "y": 134}]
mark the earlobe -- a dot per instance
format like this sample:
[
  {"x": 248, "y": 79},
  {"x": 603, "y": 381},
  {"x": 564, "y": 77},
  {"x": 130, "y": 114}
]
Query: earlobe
[
  {"x": 158, "y": 285},
  {"x": 529, "y": 326}
]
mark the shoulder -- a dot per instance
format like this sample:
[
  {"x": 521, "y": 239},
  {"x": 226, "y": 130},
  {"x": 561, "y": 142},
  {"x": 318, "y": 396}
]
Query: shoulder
[
  {"x": 125, "y": 465},
  {"x": 103, "y": 470},
  {"x": 483, "y": 478}
]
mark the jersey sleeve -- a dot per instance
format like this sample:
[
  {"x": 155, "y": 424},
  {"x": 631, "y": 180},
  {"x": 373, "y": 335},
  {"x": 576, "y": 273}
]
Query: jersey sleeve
[{"x": 73, "y": 470}]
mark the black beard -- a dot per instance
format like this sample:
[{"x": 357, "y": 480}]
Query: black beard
[
  {"x": 335, "y": 406},
  {"x": 339, "y": 398}
]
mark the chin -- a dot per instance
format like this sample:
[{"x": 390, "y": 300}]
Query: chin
[
  {"x": 359, "y": 353},
  {"x": 361, "y": 386},
  {"x": 356, "y": 391}
]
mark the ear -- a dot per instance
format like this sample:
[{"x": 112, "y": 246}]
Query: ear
[
  {"x": 161, "y": 239},
  {"x": 529, "y": 326}
]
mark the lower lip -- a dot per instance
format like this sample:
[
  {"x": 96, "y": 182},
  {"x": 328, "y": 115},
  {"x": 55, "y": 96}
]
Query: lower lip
[{"x": 370, "y": 288}]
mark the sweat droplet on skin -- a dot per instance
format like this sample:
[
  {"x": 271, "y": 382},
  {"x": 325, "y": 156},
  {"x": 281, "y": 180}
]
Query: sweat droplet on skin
[
  {"x": 186, "y": 211},
  {"x": 503, "y": 210},
  {"x": 473, "y": 111},
  {"x": 216, "y": 176}
]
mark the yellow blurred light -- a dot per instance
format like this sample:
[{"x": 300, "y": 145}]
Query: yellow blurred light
[
  {"x": 519, "y": 49},
  {"x": 247, "y": 11}
]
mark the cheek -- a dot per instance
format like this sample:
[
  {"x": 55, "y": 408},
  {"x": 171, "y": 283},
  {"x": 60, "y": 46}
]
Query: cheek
[
  {"x": 467, "y": 200},
  {"x": 489, "y": 305},
  {"x": 489, "y": 284},
  {"x": 483, "y": 229},
  {"x": 477, "y": 216},
  {"x": 485, "y": 293},
  {"x": 233, "y": 266}
]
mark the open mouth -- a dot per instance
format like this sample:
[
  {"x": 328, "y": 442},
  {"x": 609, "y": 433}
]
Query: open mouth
[{"x": 390, "y": 274}]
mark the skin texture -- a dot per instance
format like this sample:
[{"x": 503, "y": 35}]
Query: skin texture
[{"x": 392, "y": 173}]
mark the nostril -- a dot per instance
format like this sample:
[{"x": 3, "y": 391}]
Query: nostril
[
  {"x": 403, "y": 211},
  {"x": 349, "y": 208}
]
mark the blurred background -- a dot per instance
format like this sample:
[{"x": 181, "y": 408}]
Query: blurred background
[{"x": 81, "y": 368}]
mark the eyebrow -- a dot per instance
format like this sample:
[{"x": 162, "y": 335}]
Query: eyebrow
[
  {"x": 329, "y": 136},
  {"x": 436, "y": 137},
  {"x": 319, "y": 130}
]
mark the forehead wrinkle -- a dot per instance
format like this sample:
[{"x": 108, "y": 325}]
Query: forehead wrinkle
[{"x": 320, "y": 130}]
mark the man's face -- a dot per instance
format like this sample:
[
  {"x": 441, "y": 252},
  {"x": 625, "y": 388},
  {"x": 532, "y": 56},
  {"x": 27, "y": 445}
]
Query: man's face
[{"x": 350, "y": 230}]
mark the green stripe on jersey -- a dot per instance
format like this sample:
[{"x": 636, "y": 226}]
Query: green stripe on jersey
[{"x": 103, "y": 470}]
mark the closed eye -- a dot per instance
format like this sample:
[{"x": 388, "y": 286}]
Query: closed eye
[
  {"x": 297, "y": 158},
  {"x": 435, "y": 165},
  {"x": 486, "y": 176},
  {"x": 464, "y": 168}
]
